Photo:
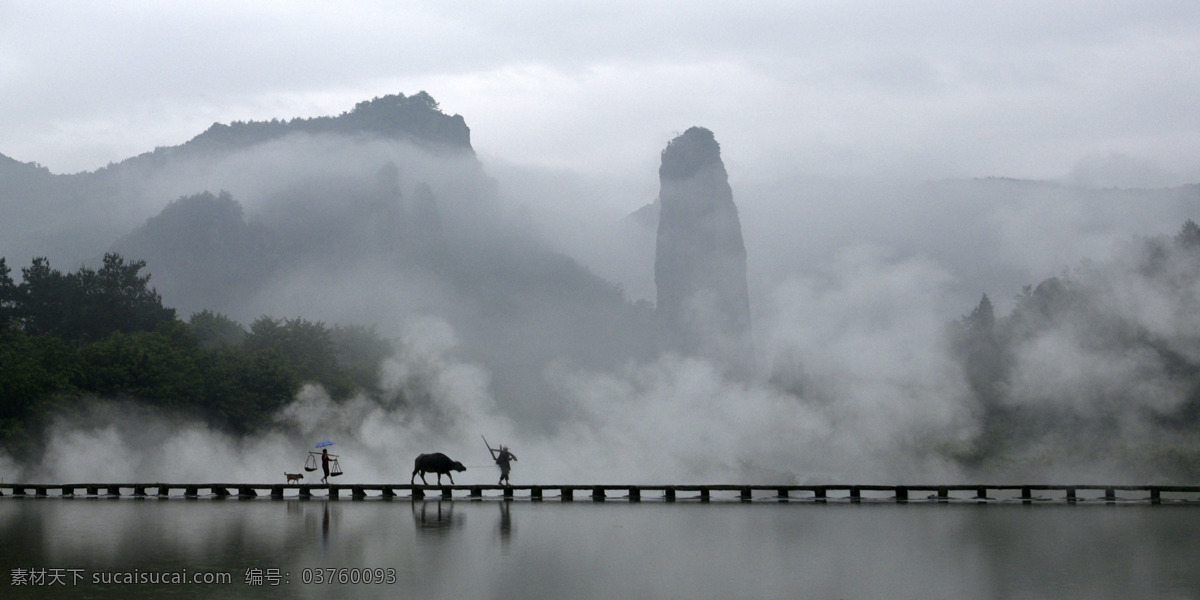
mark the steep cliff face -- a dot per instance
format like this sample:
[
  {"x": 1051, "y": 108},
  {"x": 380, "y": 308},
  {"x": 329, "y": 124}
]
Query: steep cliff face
[{"x": 700, "y": 260}]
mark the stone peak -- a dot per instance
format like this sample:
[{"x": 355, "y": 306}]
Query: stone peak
[{"x": 689, "y": 153}]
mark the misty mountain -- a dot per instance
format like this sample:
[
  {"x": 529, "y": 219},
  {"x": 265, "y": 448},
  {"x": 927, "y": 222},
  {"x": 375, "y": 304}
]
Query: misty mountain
[
  {"x": 385, "y": 216},
  {"x": 50, "y": 215},
  {"x": 700, "y": 259},
  {"x": 74, "y": 218},
  {"x": 1100, "y": 365},
  {"x": 373, "y": 216},
  {"x": 204, "y": 254},
  {"x": 415, "y": 118},
  {"x": 992, "y": 235}
]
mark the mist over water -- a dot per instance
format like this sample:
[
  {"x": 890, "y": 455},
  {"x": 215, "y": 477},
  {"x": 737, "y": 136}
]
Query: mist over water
[
  {"x": 853, "y": 289},
  {"x": 674, "y": 419}
]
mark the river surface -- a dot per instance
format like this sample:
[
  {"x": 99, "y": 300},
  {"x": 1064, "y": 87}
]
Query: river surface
[{"x": 463, "y": 550}]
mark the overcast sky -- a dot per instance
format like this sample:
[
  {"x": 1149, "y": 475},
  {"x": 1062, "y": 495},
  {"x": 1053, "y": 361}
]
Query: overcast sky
[{"x": 1102, "y": 92}]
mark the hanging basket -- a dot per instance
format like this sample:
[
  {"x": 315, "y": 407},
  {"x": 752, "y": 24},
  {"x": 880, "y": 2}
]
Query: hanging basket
[
  {"x": 335, "y": 468},
  {"x": 311, "y": 463}
]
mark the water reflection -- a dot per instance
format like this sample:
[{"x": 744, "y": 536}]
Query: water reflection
[
  {"x": 435, "y": 516},
  {"x": 325, "y": 524},
  {"x": 585, "y": 551},
  {"x": 505, "y": 524}
]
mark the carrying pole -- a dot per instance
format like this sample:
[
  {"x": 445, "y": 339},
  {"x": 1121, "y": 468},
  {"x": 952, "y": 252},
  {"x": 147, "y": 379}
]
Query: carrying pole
[{"x": 489, "y": 447}]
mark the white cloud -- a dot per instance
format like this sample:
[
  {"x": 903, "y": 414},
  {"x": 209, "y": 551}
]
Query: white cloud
[{"x": 929, "y": 89}]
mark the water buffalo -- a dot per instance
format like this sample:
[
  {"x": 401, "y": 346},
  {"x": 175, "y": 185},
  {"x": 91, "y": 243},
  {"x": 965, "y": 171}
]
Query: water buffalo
[{"x": 435, "y": 463}]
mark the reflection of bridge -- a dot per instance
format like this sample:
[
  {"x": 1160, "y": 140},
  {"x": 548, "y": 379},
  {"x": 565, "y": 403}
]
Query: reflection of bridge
[{"x": 1028, "y": 494}]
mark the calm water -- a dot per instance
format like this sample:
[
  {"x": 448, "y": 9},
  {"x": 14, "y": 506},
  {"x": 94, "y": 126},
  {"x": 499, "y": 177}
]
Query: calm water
[{"x": 583, "y": 550}]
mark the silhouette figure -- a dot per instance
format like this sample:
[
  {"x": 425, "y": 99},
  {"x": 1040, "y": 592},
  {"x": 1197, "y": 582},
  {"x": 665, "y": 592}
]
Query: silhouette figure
[{"x": 503, "y": 459}]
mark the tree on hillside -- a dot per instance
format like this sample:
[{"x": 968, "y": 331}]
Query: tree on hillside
[
  {"x": 1189, "y": 235},
  {"x": 8, "y": 298},
  {"x": 36, "y": 370},
  {"x": 104, "y": 333},
  {"x": 981, "y": 351},
  {"x": 159, "y": 367},
  {"x": 123, "y": 298},
  {"x": 306, "y": 347},
  {"x": 44, "y": 300},
  {"x": 88, "y": 304},
  {"x": 215, "y": 330}
]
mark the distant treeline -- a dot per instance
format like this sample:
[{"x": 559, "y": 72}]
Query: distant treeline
[
  {"x": 1102, "y": 363},
  {"x": 104, "y": 333}
]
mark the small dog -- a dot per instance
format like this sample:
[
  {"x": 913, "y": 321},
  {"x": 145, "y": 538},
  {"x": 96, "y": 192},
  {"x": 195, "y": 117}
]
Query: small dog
[{"x": 293, "y": 477}]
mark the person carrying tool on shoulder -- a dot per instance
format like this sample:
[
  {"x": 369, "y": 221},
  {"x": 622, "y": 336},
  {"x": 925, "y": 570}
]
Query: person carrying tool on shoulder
[{"x": 503, "y": 459}]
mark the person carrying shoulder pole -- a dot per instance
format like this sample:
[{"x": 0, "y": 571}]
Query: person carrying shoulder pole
[{"x": 503, "y": 459}]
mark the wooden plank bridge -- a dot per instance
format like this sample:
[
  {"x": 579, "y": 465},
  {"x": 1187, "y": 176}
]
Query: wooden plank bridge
[{"x": 976, "y": 493}]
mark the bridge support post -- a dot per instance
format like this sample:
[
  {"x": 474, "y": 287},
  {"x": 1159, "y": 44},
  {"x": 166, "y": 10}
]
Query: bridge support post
[
  {"x": 705, "y": 494},
  {"x": 782, "y": 494},
  {"x": 1026, "y": 495},
  {"x": 1110, "y": 495},
  {"x": 819, "y": 494},
  {"x": 535, "y": 493},
  {"x": 1070, "y": 494},
  {"x": 476, "y": 492},
  {"x": 669, "y": 493},
  {"x": 746, "y": 495},
  {"x": 277, "y": 492},
  {"x": 1155, "y": 496},
  {"x": 598, "y": 494},
  {"x": 901, "y": 494},
  {"x": 855, "y": 494},
  {"x": 635, "y": 494},
  {"x": 568, "y": 495},
  {"x": 418, "y": 493},
  {"x": 388, "y": 493}
]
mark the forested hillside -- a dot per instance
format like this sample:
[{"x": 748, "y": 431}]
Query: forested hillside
[
  {"x": 67, "y": 337},
  {"x": 1098, "y": 365}
]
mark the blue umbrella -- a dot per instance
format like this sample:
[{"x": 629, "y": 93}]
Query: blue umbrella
[{"x": 324, "y": 443}]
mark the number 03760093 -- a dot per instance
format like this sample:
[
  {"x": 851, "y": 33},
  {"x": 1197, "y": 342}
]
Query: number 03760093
[{"x": 348, "y": 576}]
